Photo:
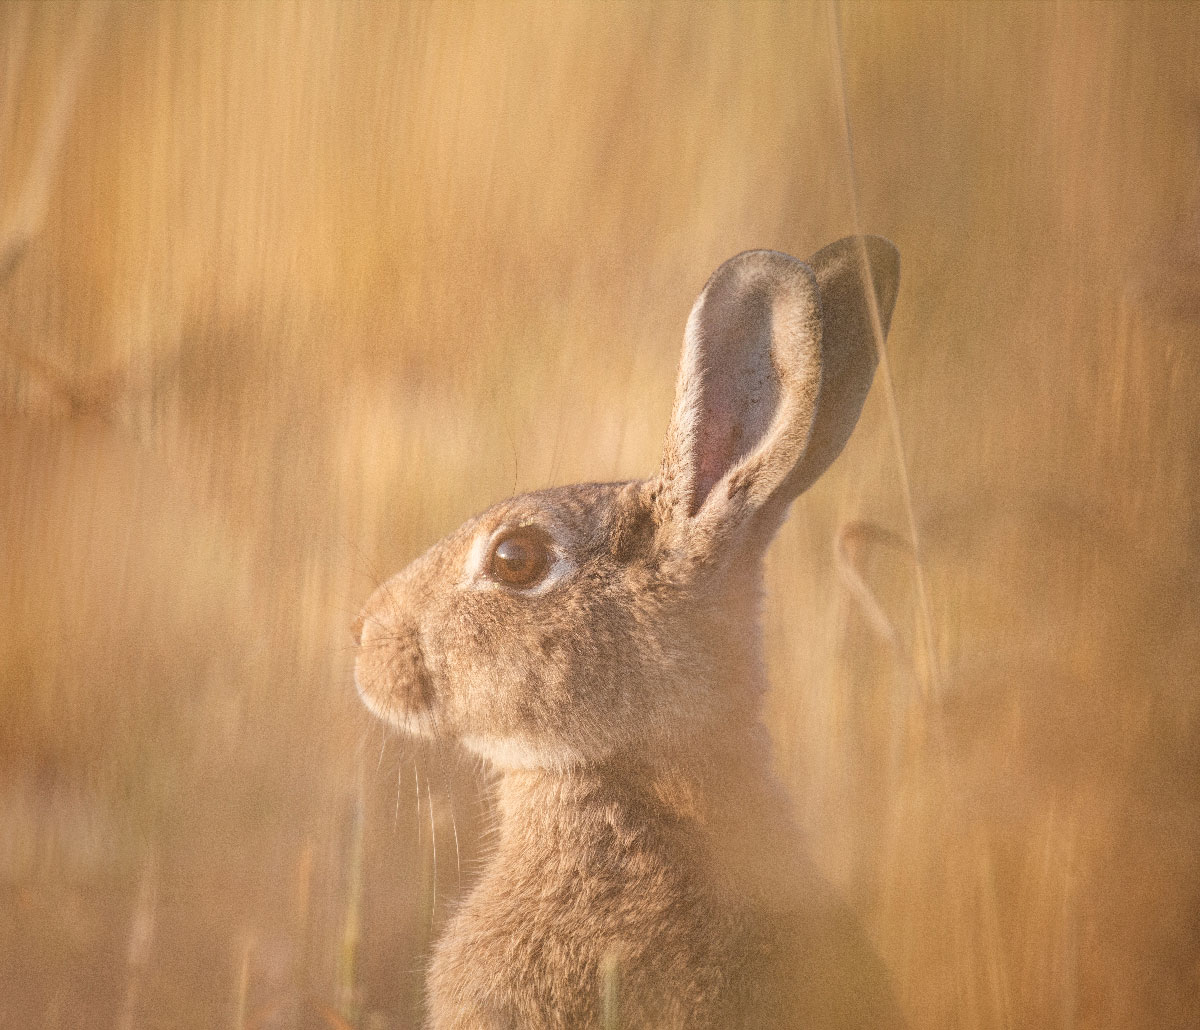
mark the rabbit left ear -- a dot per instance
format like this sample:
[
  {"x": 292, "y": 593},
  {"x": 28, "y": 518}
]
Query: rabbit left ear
[{"x": 778, "y": 357}]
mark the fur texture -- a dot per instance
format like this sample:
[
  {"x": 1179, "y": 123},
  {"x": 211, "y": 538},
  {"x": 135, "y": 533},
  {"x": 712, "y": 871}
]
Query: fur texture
[{"x": 647, "y": 874}]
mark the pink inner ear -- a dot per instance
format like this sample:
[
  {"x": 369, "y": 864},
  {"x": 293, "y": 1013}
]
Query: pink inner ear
[
  {"x": 728, "y": 391},
  {"x": 717, "y": 444},
  {"x": 737, "y": 395}
]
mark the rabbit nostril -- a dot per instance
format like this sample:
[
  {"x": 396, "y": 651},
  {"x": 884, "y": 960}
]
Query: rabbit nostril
[{"x": 356, "y": 629}]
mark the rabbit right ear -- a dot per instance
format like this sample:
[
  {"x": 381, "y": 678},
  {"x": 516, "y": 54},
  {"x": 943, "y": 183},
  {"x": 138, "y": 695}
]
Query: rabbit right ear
[{"x": 777, "y": 360}]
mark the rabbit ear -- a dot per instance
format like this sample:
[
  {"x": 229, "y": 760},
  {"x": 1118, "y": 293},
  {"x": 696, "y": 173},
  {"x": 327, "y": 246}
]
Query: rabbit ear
[{"x": 777, "y": 360}]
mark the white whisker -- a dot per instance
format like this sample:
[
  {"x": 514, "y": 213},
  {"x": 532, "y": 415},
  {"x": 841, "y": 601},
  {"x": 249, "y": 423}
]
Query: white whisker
[{"x": 433, "y": 842}]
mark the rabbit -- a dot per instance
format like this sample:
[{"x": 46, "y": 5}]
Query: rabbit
[{"x": 600, "y": 645}]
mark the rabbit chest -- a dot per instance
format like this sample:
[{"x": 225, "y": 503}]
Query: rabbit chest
[{"x": 598, "y": 910}]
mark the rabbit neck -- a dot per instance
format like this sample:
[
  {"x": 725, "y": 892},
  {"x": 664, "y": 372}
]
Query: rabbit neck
[{"x": 724, "y": 817}]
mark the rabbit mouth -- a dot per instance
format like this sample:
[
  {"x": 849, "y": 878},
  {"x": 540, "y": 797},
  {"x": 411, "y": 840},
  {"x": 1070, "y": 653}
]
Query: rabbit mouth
[{"x": 395, "y": 685}]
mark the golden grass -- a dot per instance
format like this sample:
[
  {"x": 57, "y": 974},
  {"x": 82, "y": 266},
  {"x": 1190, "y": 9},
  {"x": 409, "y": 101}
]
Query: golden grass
[{"x": 291, "y": 289}]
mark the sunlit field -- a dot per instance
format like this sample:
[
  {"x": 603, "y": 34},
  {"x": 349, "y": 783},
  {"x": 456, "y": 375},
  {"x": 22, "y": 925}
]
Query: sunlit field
[{"x": 288, "y": 291}]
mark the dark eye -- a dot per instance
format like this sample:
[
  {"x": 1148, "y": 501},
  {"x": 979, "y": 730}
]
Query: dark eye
[{"x": 521, "y": 558}]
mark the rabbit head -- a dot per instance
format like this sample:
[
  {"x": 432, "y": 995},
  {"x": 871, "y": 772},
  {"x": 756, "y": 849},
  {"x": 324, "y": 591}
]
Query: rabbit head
[{"x": 585, "y": 623}]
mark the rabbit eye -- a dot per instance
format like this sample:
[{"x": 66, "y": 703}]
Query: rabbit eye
[{"x": 521, "y": 559}]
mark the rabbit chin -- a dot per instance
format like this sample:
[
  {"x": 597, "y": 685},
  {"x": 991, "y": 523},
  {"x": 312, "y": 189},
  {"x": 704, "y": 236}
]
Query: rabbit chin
[
  {"x": 515, "y": 753},
  {"x": 415, "y": 724}
]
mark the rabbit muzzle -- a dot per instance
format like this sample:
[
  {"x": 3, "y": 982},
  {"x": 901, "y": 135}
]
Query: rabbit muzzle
[{"x": 390, "y": 671}]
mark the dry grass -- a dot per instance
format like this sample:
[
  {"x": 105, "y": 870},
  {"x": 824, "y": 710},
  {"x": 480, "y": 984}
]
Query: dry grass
[{"x": 291, "y": 289}]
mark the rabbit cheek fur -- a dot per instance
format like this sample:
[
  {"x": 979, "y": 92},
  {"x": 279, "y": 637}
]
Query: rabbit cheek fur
[{"x": 644, "y": 853}]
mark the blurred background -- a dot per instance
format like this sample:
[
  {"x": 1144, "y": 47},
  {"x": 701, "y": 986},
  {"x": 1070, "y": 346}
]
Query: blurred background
[{"x": 289, "y": 290}]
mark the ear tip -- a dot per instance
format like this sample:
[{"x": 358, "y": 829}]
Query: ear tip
[
  {"x": 755, "y": 274},
  {"x": 884, "y": 254},
  {"x": 882, "y": 257},
  {"x": 761, "y": 261}
]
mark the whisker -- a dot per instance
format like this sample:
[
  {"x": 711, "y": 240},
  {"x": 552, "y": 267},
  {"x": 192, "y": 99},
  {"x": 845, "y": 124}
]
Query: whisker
[
  {"x": 457, "y": 852},
  {"x": 396, "y": 806},
  {"x": 417, "y": 781},
  {"x": 447, "y": 783},
  {"x": 433, "y": 842},
  {"x": 382, "y": 748}
]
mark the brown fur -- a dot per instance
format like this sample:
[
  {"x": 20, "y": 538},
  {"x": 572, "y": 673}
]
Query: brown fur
[{"x": 647, "y": 874}]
